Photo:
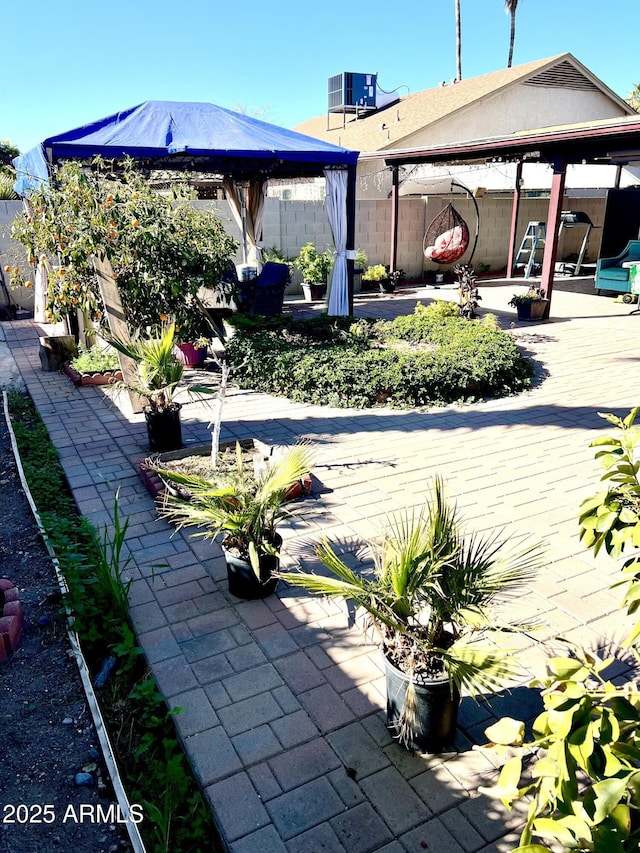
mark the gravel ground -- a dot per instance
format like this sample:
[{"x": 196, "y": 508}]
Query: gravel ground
[{"x": 47, "y": 735}]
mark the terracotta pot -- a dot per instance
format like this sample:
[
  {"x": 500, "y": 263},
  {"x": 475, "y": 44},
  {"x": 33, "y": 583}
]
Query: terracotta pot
[{"x": 104, "y": 377}]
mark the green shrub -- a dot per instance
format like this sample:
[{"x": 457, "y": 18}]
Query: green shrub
[
  {"x": 160, "y": 247},
  {"x": 423, "y": 323},
  {"x": 433, "y": 357}
]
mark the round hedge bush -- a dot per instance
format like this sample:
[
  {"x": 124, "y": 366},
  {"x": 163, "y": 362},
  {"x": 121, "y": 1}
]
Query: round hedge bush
[{"x": 432, "y": 357}]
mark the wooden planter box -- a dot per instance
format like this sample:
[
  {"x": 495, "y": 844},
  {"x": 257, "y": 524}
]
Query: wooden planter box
[
  {"x": 157, "y": 487},
  {"x": 532, "y": 310}
]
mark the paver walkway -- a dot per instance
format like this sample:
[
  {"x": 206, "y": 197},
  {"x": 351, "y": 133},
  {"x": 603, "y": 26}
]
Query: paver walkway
[{"x": 284, "y": 719}]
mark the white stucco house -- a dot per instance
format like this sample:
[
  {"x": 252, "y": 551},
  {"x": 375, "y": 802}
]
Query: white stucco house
[{"x": 549, "y": 92}]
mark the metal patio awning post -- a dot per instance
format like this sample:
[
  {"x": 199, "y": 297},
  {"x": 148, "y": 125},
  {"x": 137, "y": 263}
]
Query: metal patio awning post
[{"x": 515, "y": 210}]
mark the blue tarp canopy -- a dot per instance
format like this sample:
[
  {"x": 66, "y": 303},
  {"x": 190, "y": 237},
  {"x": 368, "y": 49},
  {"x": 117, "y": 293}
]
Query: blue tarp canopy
[{"x": 187, "y": 136}]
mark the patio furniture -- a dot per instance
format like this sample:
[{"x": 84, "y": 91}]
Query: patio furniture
[
  {"x": 447, "y": 237},
  {"x": 613, "y": 273},
  {"x": 634, "y": 284},
  {"x": 571, "y": 219},
  {"x": 265, "y": 293}
]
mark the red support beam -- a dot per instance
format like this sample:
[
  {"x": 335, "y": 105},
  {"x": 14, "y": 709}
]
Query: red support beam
[{"x": 553, "y": 226}]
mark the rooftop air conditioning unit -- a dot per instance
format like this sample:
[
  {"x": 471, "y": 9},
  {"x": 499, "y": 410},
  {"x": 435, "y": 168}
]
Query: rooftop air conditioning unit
[{"x": 350, "y": 92}]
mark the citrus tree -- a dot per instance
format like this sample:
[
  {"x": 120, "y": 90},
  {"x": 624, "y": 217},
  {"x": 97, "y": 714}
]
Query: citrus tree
[
  {"x": 580, "y": 770},
  {"x": 160, "y": 247}
]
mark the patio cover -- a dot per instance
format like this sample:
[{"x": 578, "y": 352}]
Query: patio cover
[
  {"x": 605, "y": 142},
  {"x": 193, "y": 136}
]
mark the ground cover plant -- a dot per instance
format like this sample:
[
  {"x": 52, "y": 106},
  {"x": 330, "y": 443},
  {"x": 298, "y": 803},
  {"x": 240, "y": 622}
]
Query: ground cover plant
[
  {"x": 95, "y": 360},
  {"x": 154, "y": 769},
  {"x": 432, "y": 357}
]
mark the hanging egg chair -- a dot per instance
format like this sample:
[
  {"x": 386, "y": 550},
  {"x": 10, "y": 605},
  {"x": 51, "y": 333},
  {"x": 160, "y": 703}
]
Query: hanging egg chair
[{"x": 447, "y": 237}]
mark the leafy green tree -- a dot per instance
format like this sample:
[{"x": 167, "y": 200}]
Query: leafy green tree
[
  {"x": 633, "y": 98},
  {"x": 6, "y": 186},
  {"x": 510, "y": 8},
  {"x": 7, "y": 152},
  {"x": 160, "y": 247},
  {"x": 7, "y": 173}
]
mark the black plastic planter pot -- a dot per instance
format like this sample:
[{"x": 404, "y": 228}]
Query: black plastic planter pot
[
  {"x": 164, "y": 429},
  {"x": 532, "y": 310},
  {"x": 313, "y": 292},
  {"x": 434, "y": 721},
  {"x": 243, "y": 582}
]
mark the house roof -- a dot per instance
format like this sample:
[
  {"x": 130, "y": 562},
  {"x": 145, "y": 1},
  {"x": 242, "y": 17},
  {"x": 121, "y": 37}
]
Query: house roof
[
  {"x": 386, "y": 128},
  {"x": 610, "y": 141}
]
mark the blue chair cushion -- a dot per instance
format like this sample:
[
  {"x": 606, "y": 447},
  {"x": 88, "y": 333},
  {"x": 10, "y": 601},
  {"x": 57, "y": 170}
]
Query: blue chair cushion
[{"x": 614, "y": 273}]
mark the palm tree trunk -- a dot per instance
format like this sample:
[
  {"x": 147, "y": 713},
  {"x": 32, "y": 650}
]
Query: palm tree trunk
[
  {"x": 511, "y": 6},
  {"x": 458, "y": 43}
]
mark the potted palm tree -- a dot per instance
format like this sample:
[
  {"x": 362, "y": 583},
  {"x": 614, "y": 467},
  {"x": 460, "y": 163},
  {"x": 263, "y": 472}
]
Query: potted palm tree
[
  {"x": 157, "y": 376},
  {"x": 245, "y": 506},
  {"x": 430, "y": 598}
]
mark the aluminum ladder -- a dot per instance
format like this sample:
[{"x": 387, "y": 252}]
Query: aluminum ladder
[{"x": 534, "y": 239}]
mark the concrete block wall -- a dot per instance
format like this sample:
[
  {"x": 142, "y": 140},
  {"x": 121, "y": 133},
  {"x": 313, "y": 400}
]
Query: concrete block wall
[
  {"x": 288, "y": 225},
  {"x": 373, "y": 230},
  {"x": 12, "y": 253}
]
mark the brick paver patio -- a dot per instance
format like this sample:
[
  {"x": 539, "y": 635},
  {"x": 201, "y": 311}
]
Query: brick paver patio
[{"x": 283, "y": 698}]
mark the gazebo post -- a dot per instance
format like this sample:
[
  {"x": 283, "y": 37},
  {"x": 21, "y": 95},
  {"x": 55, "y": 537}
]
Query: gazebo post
[
  {"x": 395, "y": 184},
  {"x": 553, "y": 225},
  {"x": 351, "y": 228}
]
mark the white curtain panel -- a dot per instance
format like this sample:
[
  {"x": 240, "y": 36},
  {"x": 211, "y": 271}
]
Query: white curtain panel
[
  {"x": 336, "y": 204},
  {"x": 251, "y": 228},
  {"x": 255, "y": 215}
]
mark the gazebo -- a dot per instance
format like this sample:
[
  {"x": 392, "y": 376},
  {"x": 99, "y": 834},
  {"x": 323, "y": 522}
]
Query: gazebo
[{"x": 244, "y": 151}]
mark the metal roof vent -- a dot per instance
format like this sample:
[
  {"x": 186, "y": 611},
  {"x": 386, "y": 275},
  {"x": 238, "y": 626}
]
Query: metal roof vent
[{"x": 562, "y": 76}]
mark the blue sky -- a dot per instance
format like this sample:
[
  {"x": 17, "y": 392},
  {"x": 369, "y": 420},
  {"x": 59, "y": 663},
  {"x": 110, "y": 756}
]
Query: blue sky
[{"x": 66, "y": 64}]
